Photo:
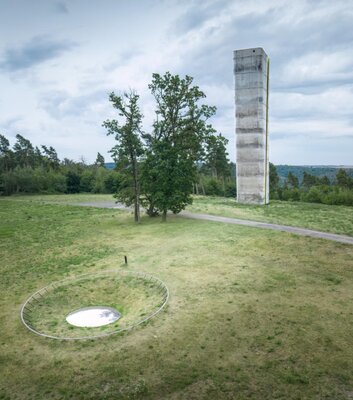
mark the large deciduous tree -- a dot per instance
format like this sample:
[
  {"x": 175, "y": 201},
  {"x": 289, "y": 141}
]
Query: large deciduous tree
[
  {"x": 176, "y": 143},
  {"x": 129, "y": 145}
]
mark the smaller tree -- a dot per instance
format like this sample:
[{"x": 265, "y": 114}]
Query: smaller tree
[
  {"x": 129, "y": 145},
  {"x": 100, "y": 162},
  {"x": 292, "y": 181},
  {"x": 216, "y": 156},
  {"x": 343, "y": 179},
  {"x": 325, "y": 180},
  {"x": 51, "y": 157},
  {"x": 309, "y": 180},
  {"x": 274, "y": 182},
  {"x": 24, "y": 152},
  {"x": 6, "y": 155}
]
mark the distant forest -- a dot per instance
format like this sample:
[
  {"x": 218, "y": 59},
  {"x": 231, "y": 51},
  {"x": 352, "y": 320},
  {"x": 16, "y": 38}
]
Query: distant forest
[
  {"x": 28, "y": 169},
  {"x": 318, "y": 171},
  {"x": 297, "y": 170}
]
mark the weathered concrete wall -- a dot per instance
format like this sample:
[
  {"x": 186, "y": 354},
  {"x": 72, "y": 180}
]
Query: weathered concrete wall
[{"x": 251, "y": 69}]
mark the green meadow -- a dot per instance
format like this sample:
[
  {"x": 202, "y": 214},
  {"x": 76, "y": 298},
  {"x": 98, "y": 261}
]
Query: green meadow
[{"x": 252, "y": 314}]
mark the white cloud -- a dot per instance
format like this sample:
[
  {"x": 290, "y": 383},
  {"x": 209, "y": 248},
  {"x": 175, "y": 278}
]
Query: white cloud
[
  {"x": 319, "y": 67},
  {"x": 63, "y": 99}
]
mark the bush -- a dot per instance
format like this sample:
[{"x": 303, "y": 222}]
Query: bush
[
  {"x": 99, "y": 183},
  {"x": 72, "y": 182},
  {"x": 339, "y": 196},
  {"x": 87, "y": 181},
  {"x": 288, "y": 194},
  {"x": 113, "y": 181},
  {"x": 314, "y": 195}
]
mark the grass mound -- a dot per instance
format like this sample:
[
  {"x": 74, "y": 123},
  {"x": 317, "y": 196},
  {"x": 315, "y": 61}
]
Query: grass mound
[{"x": 137, "y": 297}]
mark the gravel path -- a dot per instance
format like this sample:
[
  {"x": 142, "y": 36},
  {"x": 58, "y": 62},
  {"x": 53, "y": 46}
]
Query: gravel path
[
  {"x": 275, "y": 227},
  {"x": 236, "y": 221}
]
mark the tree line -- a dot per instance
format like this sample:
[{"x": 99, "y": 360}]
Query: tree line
[
  {"x": 313, "y": 189},
  {"x": 28, "y": 169}
]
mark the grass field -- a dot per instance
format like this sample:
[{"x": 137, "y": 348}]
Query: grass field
[
  {"x": 134, "y": 297},
  {"x": 334, "y": 219},
  {"x": 253, "y": 314}
]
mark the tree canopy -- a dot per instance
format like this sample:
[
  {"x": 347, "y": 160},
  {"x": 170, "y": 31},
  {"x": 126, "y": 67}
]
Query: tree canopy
[{"x": 129, "y": 145}]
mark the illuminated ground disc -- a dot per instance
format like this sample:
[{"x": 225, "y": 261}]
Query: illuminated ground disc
[{"x": 91, "y": 317}]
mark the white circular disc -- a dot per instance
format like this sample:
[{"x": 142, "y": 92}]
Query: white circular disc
[{"x": 90, "y": 317}]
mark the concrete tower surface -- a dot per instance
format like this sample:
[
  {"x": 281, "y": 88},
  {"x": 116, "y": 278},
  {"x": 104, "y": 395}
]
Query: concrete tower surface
[{"x": 251, "y": 73}]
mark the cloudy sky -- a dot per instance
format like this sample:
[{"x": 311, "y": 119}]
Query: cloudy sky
[{"x": 60, "y": 59}]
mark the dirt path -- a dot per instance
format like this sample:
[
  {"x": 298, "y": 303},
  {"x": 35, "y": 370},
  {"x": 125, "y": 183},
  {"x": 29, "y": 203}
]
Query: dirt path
[{"x": 244, "y": 222}]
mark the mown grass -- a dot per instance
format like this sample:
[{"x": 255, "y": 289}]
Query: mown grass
[
  {"x": 253, "y": 314},
  {"x": 135, "y": 297},
  {"x": 321, "y": 217},
  {"x": 334, "y": 219}
]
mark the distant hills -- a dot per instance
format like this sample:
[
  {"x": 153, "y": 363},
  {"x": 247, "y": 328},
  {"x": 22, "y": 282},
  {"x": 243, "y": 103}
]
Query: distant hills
[
  {"x": 109, "y": 165},
  {"x": 316, "y": 170},
  {"x": 298, "y": 170}
]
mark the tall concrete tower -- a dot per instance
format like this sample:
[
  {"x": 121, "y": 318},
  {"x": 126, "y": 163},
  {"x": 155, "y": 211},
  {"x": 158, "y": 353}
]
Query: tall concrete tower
[{"x": 251, "y": 73}]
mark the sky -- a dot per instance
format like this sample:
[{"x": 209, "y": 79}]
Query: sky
[{"x": 59, "y": 60}]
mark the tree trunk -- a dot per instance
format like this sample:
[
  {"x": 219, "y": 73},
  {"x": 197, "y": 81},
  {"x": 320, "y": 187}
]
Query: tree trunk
[
  {"x": 203, "y": 189},
  {"x": 136, "y": 191},
  {"x": 164, "y": 216}
]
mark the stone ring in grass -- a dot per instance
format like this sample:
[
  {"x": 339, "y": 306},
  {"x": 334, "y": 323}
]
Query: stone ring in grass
[{"x": 94, "y": 305}]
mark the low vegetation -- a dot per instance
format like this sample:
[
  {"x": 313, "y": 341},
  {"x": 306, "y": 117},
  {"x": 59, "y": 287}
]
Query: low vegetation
[
  {"x": 253, "y": 314},
  {"x": 134, "y": 297},
  {"x": 313, "y": 189}
]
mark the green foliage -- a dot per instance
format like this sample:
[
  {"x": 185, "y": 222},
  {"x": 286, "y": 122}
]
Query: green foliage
[
  {"x": 128, "y": 136},
  {"x": 181, "y": 119},
  {"x": 24, "y": 153},
  {"x": 113, "y": 181},
  {"x": 180, "y": 135},
  {"x": 129, "y": 145},
  {"x": 216, "y": 159},
  {"x": 72, "y": 182},
  {"x": 87, "y": 180},
  {"x": 99, "y": 183},
  {"x": 317, "y": 171},
  {"x": 168, "y": 177},
  {"x": 314, "y": 189},
  {"x": 288, "y": 194},
  {"x": 343, "y": 179},
  {"x": 292, "y": 181},
  {"x": 50, "y": 157},
  {"x": 6, "y": 155},
  {"x": 26, "y": 169},
  {"x": 211, "y": 186},
  {"x": 309, "y": 180},
  {"x": 32, "y": 180},
  {"x": 274, "y": 182},
  {"x": 100, "y": 162}
]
